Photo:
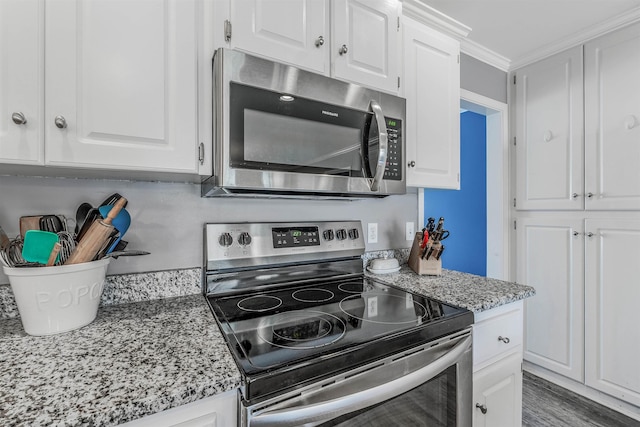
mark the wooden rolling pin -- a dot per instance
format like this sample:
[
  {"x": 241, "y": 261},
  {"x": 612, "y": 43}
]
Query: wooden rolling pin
[{"x": 95, "y": 238}]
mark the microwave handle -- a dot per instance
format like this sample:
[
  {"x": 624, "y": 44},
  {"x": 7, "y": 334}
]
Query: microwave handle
[{"x": 383, "y": 144}]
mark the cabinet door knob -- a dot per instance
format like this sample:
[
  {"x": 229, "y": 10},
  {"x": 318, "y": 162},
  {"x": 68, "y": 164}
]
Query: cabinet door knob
[
  {"x": 319, "y": 41},
  {"x": 343, "y": 49},
  {"x": 483, "y": 408},
  {"x": 60, "y": 122},
  {"x": 589, "y": 195},
  {"x": 630, "y": 122},
  {"x": 548, "y": 136},
  {"x": 574, "y": 195},
  {"x": 412, "y": 164},
  {"x": 19, "y": 118},
  {"x": 575, "y": 233},
  {"x": 589, "y": 234},
  {"x": 505, "y": 340}
]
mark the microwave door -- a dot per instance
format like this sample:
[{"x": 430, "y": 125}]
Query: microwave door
[{"x": 375, "y": 146}]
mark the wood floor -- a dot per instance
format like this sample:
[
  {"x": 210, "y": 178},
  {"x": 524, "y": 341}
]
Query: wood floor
[{"x": 546, "y": 404}]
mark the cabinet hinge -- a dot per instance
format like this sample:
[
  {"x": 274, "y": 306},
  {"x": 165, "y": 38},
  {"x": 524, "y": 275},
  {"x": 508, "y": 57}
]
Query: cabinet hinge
[
  {"x": 458, "y": 59},
  {"x": 514, "y": 79},
  {"x": 514, "y": 202},
  {"x": 201, "y": 153},
  {"x": 398, "y": 82},
  {"x": 227, "y": 30},
  {"x": 515, "y": 227},
  {"x": 514, "y": 140},
  {"x": 398, "y": 28}
]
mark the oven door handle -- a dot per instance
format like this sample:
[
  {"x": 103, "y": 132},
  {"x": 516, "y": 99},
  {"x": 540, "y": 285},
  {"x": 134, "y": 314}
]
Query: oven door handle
[
  {"x": 383, "y": 144},
  {"x": 334, "y": 408}
]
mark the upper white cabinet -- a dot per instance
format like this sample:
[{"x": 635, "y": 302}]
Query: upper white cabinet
[
  {"x": 432, "y": 89},
  {"x": 296, "y": 32},
  {"x": 612, "y": 295},
  {"x": 612, "y": 120},
  {"x": 357, "y": 41},
  {"x": 121, "y": 84},
  {"x": 575, "y": 151},
  {"x": 549, "y": 133},
  {"x": 21, "y": 81},
  {"x": 365, "y": 42},
  {"x": 114, "y": 88}
]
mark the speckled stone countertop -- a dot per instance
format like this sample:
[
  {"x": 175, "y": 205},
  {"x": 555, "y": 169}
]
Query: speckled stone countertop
[
  {"x": 134, "y": 360},
  {"x": 465, "y": 290}
]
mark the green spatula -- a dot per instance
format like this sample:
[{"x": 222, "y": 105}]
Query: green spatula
[{"x": 38, "y": 245}]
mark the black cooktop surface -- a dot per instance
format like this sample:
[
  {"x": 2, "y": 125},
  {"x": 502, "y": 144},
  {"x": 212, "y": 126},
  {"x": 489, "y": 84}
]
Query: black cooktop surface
[{"x": 295, "y": 334}]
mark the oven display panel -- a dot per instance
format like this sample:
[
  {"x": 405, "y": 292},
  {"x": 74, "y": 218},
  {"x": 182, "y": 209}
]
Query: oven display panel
[{"x": 290, "y": 237}]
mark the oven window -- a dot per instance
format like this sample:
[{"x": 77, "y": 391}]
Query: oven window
[{"x": 432, "y": 404}]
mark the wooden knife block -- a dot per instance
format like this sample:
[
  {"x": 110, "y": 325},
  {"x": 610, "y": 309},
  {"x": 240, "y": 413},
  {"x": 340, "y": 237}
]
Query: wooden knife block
[{"x": 429, "y": 267}]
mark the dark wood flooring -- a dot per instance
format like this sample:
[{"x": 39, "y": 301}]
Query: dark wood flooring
[{"x": 546, "y": 404}]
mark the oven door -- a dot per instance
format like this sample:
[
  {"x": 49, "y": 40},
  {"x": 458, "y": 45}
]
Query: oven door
[{"x": 427, "y": 386}]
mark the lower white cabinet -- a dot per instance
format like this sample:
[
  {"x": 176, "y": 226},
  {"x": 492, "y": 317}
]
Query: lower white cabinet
[
  {"x": 216, "y": 411},
  {"x": 497, "y": 366}
]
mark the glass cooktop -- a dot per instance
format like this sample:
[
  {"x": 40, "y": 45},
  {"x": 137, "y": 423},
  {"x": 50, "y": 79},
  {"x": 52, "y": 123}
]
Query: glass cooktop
[{"x": 327, "y": 326}]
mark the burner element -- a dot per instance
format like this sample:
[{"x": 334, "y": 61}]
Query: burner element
[
  {"x": 386, "y": 309},
  {"x": 303, "y": 330},
  {"x": 259, "y": 303},
  {"x": 313, "y": 295},
  {"x": 355, "y": 287}
]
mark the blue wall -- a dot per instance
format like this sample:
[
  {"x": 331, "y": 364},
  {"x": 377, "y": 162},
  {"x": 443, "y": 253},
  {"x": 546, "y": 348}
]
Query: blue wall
[{"x": 465, "y": 211}]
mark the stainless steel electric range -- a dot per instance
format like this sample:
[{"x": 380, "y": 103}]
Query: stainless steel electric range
[{"x": 318, "y": 343}]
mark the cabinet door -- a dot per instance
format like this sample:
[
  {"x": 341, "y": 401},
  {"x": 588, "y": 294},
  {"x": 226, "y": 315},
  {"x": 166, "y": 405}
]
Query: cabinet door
[
  {"x": 122, "y": 77},
  {"x": 432, "y": 90},
  {"x": 21, "y": 81},
  {"x": 612, "y": 120},
  {"x": 612, "y": 302},
  {"x": 364, "y": 43},
  {"x": 549, "y": 133},
  {"x": 497, "y": 394},
  {"x": 550, "y": 258},
  {"x": 292, "y": 31}
]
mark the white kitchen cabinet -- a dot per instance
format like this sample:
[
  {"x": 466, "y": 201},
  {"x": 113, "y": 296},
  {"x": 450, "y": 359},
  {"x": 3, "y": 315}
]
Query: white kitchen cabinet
[
  {"x": 216, "y": 411},
  {"x": 432, "y": 90},
  {"x": 121, "y": 85},
  {"x": 549, "y": 133},
  {"x": 357, "y": 41},
  {"x": 21, "y": 81},
  {"x": 612, "y": 296},
  {"x": 292, "y": 31},
  {"x": 497, "y": 367},
  {"x": 497, "y": 394},
  {"x": 364, "y": 42},
  {"x": 612, "y": 120},
  {"x": 550, "y": 257}
]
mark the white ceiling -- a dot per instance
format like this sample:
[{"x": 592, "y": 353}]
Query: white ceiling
[{"x": 516, "y": 29}]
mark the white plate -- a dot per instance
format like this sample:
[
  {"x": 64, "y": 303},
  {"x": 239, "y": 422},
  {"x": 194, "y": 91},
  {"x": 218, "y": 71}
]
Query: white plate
[{"x": 385, "y": 271}]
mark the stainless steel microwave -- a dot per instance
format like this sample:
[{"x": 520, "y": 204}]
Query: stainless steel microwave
[{"x": 283, "y": 131}]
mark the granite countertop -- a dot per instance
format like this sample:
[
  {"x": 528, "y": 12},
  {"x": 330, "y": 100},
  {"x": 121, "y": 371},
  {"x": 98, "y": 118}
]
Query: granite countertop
[
  {"x": 134, "y": 360},
  {"x": 464, "y": 290},
  {"x": 141, "y": 357}
]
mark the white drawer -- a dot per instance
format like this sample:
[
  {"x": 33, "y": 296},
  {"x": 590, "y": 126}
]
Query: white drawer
[{"x": 497, "y": 332}]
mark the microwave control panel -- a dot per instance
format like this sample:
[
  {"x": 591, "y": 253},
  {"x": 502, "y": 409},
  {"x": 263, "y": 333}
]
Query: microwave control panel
[{"x": 393, "y": 170}]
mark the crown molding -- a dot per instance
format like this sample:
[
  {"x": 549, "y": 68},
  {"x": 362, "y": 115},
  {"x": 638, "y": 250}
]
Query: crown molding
[
  {"x": 429, "y": 16},
  {"x": 579, "y": 38},
  {"x": 481, "y": 53}
]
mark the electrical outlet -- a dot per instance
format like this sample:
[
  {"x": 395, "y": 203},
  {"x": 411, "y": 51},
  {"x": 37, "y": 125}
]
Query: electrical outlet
[
  {"x": 372, "y": 232},
  {"x": 410, "y": 230}
]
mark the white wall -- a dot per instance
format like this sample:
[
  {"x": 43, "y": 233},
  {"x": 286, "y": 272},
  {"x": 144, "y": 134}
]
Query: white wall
[{"x": 168, "y": 218}]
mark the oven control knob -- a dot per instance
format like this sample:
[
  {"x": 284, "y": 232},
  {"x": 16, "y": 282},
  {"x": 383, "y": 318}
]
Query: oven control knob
[
  {"x": 244, "y": 238},
  {"x": 328, "y": 234},
  {"x": 353, "y": 234},
  {"x": 225, "y": 239},
  {"x": 341, "y": 234}
]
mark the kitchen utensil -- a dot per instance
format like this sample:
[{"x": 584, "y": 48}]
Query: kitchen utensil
[
  {"x": 116, "y": 254},
  {"x": 121, "y": 222},
  {"x": 38, "y": 245},
  {"x": 94, "y": 239},
  {"x": 81, "y": 215},
  {"x": 439, "y": 254},
  {"x": 92, "y": 216},
  {"x": 29, "y": 223},
  {"x": 52, "y": 223},
  {"x": 54, "y": 254},
  {"x": 112, "y": 199},
  {"x": 68, "y": 245},
  {"x": 4, "y": 240}
]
